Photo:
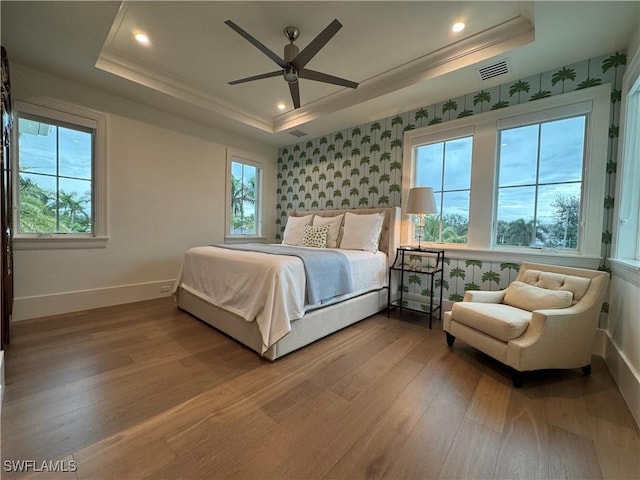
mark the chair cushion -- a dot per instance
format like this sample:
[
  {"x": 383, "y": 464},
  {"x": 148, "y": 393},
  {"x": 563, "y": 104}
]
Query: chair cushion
[
  {"x": 528, "y": 297},
  {"x": 497, "y": 320},
  {"x": 557, "y": 281}
]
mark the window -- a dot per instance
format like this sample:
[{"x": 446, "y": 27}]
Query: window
[
  {"x": 446, "y": 167},
  {"x": 55, "y": 169},
  {"x": 540, "y": 184},
  {"x": 626, "y": 257},
  {"x": 60, "y": 175},
  {"x": 244, "y": 196},
  {"x": 516, "y": 183}
]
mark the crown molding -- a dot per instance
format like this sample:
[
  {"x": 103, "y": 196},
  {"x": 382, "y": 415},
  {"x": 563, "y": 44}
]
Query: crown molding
[
  {"x": 484, "y": 45},
  {"x": 476, "y": 48}
]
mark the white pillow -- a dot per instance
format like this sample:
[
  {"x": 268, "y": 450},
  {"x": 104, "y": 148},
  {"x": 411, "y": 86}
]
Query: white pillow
[
  {"x": 361, "y": 232},
  {"x": 294, "y": 230},
  {"x": 315, "y": 236},
  {"x": 529, "y": 297},
  {"x": 334, "y": 224}
]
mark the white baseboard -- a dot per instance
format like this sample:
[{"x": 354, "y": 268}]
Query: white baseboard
[
  {"x": 624, "y": 374},
  {"x": 58, "y": 303}
]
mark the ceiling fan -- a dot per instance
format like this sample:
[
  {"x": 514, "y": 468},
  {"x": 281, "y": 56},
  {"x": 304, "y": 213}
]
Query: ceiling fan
[{"x": 293, "y": 66}]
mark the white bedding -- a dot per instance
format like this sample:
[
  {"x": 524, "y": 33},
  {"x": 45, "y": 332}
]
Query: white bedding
[{"x": 269, "y": 289}]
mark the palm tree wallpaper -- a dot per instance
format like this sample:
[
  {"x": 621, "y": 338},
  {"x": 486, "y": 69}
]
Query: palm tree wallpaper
[{"x": 361, "y": 166}]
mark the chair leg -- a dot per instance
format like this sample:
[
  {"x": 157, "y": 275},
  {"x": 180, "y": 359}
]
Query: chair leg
[
  {"x": 450, "y": 339},
  {"x": 517, "y": 379},
  {"x": 586, "y": 370}
]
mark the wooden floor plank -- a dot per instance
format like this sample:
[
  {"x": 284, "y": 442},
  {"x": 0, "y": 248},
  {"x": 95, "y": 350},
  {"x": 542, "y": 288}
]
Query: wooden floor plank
[
  {"x": 618, "y": 449},
  {"x": 144, "y": 390},
  {"x": 523, "y": 452},
  {"x": 572, "y": 456},
  {"x": 472, "y": 454},
  {"x": 489, "y": 403},
  {"x": 378, "y": 446}
]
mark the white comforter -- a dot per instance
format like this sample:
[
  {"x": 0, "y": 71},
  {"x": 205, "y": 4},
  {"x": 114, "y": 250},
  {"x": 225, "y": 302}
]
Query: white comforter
[{"x": 268, "y": 289}]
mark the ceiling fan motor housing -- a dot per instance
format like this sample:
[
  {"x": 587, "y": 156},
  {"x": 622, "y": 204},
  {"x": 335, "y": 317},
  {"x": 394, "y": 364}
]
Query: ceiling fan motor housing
[
  {"x": 290, "y": 52},
  {"x": 290, "y": 73}
]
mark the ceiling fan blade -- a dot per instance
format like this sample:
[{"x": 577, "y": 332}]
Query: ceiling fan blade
[
  {"x": 326, "y": 78},
  {"x": 295, "y": 94},
  {"x": 257, "y": 77},
  {"x": 316, "y": 44},
  {"x": 264, "y": 49}
]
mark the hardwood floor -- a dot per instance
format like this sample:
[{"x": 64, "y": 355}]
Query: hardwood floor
[{"x": 147, "y": 391}]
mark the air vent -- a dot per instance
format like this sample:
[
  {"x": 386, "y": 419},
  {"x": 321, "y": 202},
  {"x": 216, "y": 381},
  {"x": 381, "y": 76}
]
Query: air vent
[
  {"x": 297, "y": 133},
  {"x": 496, "y": 69}
]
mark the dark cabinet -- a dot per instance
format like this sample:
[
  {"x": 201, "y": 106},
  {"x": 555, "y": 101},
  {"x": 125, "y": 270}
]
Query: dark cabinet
[{"x": 6, "y": 206}]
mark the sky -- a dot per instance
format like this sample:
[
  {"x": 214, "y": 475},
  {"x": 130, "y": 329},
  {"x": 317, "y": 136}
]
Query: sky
[
  {"x": 561, "y": 147},
  {"x": 37, "y": 147}
]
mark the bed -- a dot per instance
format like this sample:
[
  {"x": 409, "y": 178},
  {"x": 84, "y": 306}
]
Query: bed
[{"x": 307, "y": 323}]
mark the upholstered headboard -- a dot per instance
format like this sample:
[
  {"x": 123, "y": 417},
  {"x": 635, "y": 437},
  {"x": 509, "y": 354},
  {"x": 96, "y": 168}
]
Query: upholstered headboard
[{"x": 390, "y": 235}]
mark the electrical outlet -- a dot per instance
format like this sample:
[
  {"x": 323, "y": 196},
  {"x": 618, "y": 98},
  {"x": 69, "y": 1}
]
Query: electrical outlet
[{"x": 165, "y": 289}]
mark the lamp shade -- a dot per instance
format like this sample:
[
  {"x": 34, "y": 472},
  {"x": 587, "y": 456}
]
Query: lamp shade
[{"x": 421, "y": 200}]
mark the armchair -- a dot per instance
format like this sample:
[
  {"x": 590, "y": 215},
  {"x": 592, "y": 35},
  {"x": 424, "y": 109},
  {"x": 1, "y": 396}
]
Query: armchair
[{"x": 546, "y": 318}]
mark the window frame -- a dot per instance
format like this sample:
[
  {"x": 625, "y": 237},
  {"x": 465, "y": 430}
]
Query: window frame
[
  {"x": 539, "y": 118},
  {"x": 62, "y": 112},
  {"x": 245, "y": 158},
  {"x": 428, "y": 139},
  {"x": 625, "y": 257},
  {"x": 484, "y": 174}
]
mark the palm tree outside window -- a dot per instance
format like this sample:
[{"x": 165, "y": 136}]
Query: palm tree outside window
[
  {"x": 244, "y": 199},
  {"x": 55, "y": 177}
]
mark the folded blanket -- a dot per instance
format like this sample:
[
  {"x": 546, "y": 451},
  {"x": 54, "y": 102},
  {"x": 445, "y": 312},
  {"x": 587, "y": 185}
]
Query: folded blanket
[{"x": 327, "y": 271}]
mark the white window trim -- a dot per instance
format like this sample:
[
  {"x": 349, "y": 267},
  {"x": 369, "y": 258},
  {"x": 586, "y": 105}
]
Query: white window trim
[
  {"x": 248, "y": 159},
  {"x": 484, "y": 174},
  {"x": 625, "y": 258},
  {"x": 73, "y": 114}
]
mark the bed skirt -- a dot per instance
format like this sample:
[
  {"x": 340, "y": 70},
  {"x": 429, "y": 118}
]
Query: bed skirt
[{"x": 313, "y": 326}]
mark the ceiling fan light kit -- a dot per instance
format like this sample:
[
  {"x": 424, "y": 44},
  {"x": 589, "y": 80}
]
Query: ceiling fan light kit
[{"x": 294, "y": 62}]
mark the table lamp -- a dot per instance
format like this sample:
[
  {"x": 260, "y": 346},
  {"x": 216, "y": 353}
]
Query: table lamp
[{"x": 421, "y": 202}]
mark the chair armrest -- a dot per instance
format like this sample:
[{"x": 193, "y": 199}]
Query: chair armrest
[
  {"x": 556, "y": 338},
  {"x": 483, "y": 296},
  {"x": 556, "y": 321}
]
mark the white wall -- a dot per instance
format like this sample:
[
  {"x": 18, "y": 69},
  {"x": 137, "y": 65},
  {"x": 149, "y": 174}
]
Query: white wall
[
  {"x": 622, "y": 345},
  {"x": 166, "y": 192}
]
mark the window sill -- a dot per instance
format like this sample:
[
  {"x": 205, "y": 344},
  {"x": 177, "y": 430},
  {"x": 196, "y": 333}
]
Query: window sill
[
  {"x": 245, "y": 239},
  {"x": 520, "y": 255},
  {"x": 58, "y": 243},
  {"x": 626, "y": 269}
]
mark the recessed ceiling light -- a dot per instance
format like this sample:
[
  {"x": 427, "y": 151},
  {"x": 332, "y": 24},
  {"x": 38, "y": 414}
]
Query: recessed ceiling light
[
  {"x": 142, "y": 38},
  {"x": 458, "y": 27},
  {"x": 281, "y": 106}
]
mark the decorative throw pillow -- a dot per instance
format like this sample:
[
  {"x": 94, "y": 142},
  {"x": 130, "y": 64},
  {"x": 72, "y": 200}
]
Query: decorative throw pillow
[
  {"x": 294, "y": 230},
  {"x": 315, "y": 236},
  {"x": 334, "y": 224},
  {"x": 361, "y": 232},
  {"x": 528, "y": 297}
]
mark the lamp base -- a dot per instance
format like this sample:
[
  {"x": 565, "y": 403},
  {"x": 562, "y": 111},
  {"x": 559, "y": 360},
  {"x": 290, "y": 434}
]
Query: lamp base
[{"x": 420, "y": 228}]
